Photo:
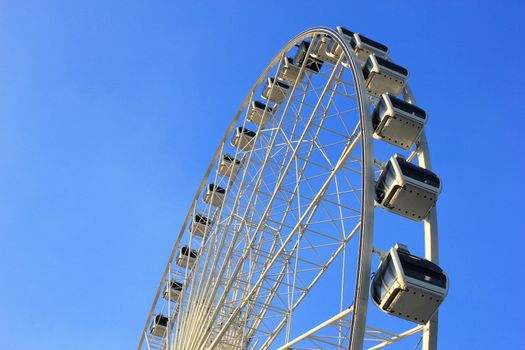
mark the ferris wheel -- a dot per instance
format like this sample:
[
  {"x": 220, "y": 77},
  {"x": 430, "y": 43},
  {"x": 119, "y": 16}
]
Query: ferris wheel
[{"x": 278, "y": 249}]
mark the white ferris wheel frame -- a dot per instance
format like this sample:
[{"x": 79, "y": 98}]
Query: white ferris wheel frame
[{"x": 366, "y": 248}]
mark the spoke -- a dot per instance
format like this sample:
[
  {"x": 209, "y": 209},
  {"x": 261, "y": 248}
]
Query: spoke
[{"x": 297, "y": 213}]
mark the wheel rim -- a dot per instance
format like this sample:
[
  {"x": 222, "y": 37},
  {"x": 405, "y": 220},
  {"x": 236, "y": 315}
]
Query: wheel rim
[{"x": 236, "y": 288}]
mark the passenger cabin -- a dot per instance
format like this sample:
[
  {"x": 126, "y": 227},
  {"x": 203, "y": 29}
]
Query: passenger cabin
[
  {"x": 312, "y": 64},
  {"x": 243, "y": 138},
  {"x": 408, "y": 286},
  {"x": 398, "y": 122},
  {"x": 362, "y": 46},
  {"x": 259, "y": 113},
  {"x": 407, "y": 189},
  {"x": 229, "y": 166},
  {"x": 275, "y": 91},
  {"x": 214, "y": 195},
  {"x": 320, "y": 49},
  {"x": 159, "y": 326},
  {"x": 384, "y": 76},
  {"x": 200, "y": 225},
  {"x": 187, "y": 257},
  {"x": 173, "y": 290},
  {"x": 288, "y": 71}
]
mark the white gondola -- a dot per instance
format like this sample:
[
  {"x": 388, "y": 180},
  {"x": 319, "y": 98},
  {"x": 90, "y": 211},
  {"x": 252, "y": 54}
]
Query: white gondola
[
  {"x": 173, "y": 291},
  {"x": 407, "y": 189},
  {"x": 407, "y": 286},
  {"x": 214, "y": 195},
  {"x": 159, "y": 326},
  {"x": 243, "y": 138},
  {"x": 229, "y": 166},
  {"x": 187, "y": 257},
  {"x": 260, "y": 113},
  {"x": 312, "y": 64},
  {"x": 320, "y": 49},
  {"x": 288, "y": 71},
  {"x": 200, "y": 225},
  {"x": 275, "y": 91},
  {"x": 364, "y": 47},
  {"x": 398, "y": 122},
  {"x": 384, "y": 76}
]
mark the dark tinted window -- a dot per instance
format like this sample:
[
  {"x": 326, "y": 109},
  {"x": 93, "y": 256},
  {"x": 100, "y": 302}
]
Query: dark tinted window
[
  {"x": 161, "y": 320},
  {"x": 301, "y": 53},
  {"x": 385, "y": 181},
  {"x": 202, "y": 219},
  {"x": 375, "y": 118},
  {"x": 417, "y": 173},
  {"x": 346, "y": 31},
  {"x": 283, "y": 85},
  {"x": 367, "y": 68},
  {"x": 261, "y": 105},
  {"x": 312, "y": 63},
  {"x": 373, "y": 43},
  {"x": 383, "y": 279},
  {"x": 422, "y": 270},
  {"x": 390, "y": 176},
  {"x": 176, "y": 285},
  {"x": 407, "y": 107},
  {"x": 188, "y": 252},
  {"x": 377, "y": 289},
  {"x": 245, "y": 131},
  {"x": 215, "y": 188},
  {"x": 249, "y": 133},
  {"x": 381, "y": 106},
  {"x": 392, "y": 66},
  {"x": 279, "y": 83},
  {"x": 388, "y": 274},
  {"x": 229, "y": 158}
]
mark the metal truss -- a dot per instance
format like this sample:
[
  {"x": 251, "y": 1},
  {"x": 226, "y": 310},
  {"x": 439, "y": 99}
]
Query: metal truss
[{"x": 297, "y": 217}]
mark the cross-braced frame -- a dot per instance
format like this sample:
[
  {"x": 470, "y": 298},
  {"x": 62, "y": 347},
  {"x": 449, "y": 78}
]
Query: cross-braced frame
[{"x": 291, "y": 243}]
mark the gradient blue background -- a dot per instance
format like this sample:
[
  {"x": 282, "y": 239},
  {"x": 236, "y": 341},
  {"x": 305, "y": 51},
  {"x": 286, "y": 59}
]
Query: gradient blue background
[{"x": 110, "y": 111}]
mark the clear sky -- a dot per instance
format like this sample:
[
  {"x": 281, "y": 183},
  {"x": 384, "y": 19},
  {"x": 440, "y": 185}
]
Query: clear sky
[{"x": 110, "y": 112}]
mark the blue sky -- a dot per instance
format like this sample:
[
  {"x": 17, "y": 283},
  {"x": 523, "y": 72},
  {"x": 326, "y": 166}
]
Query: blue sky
[{"x": 110, "y": 112}]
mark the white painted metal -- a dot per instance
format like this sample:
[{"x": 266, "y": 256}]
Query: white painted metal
[
  {"x": 414, "y": 299},
  {"x": 406, "y": 195},
  {"x": 364, "y": 49},
  {"x": 259, "y": 113},
  {"x": 200, "y": 225},
  {"x": 397, "y": 125},
  {"x": 243, "y": 139},
  {"x": 276, "y": 91},
  {"x": 289, "y": 71},
  {"x": 214, "y": 195},
  {"x": 173, "y": 291},
  {"x": 431, "y": 232},
  {"x": 303, "y": 189},
  {"x": 382, "y": 79},
  {"x": 336, "y": 318}
]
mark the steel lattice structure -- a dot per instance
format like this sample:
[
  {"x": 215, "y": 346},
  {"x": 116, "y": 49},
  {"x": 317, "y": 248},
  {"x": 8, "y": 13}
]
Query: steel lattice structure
[{"x": 297, "y": 216}]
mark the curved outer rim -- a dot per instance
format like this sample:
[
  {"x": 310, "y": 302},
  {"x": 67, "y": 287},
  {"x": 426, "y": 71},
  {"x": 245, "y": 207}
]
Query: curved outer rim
[
  {"x": 367, "y": 218},
  {"x": 430, "y": 332}
]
